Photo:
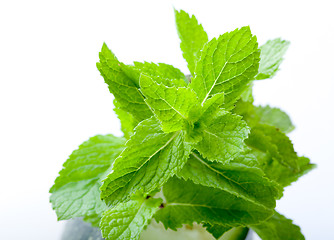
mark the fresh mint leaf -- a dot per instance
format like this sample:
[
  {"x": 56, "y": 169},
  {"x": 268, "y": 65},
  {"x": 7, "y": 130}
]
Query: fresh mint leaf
[
  {"x": 188, "y": 203},
  {"x": 274, "y": 117},
  {"x": 241, "y": 180},
  {"x": 161, "y": 73},
  {"x": 171, "y": 105},
  {"x": 128, "y": 122},
  {"x": 272, "y": 53},
  {"x": 128, "y": 220},
  {"x": 223, "y": 137},
  {"x": 75, "y": 192},
  {"x": 268, "y": 139},
  {"x": 150, "y": 158},
  {"x": 254, "y": 115},
  {"x": 278, "y": 228},
  {"x": 192, "y": 36},
  {"x": 124, "y": 88},
  {"x": 227, "y": 64},
  {"x": 284, "y": 175}
]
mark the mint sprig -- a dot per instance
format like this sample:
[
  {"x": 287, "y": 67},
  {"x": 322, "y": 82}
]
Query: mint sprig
[{"x": 195, "y": 148}]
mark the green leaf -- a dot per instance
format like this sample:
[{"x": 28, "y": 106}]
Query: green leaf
[
  {"x": 124, "y": 88},
  {"x": 151, "y": 157},
  {"x": 274, "y": 117},
  {"x": 188, "y": 202},
  {"x": 128, "y": 122},
  {"x": 284, "y": 175},
  {"x": 170, "y": 105},
  {"x": 192, "y": 36},
  {"x": 271, "y": 140},
  {"x": 76, "y": 190},
  {"x": 254, "y": 115},
  {"x": 161, "y": 72},
  {"x": 247, "y": 95},
  {"x": 216, "y": 230},
  {"x": 271, "y": 57},
  {"x": 227, "y": 65},
  {"x": 278, "y": 228},
  {"x": 241, "y": 180},
  {"x": 94, "y": 219},
  {"x": 223, "y": 137},
  {"x": 128, "y": 220}
]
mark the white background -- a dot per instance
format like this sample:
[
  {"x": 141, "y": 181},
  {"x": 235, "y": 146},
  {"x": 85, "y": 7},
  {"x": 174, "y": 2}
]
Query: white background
[{"x": 52, "y": 97}]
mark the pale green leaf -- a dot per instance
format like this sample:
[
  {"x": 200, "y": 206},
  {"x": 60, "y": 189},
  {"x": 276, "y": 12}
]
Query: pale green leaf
[
  {"x": 223, "y": 137},
  {"x": 271, "y": 57},
  {"x": 171, "y": 105},
  {"x": 254, "y": 115},
  {"x": 278, "y": 228},
  {"x": 76, "y": 190},
  {"x": 285, "y": 175},
  {"x": 161, "y": 73},
  {"x": 241, "y": 180},
  {"x": 227, "y": 65},
  {"x": 188, "y": 203},
  {"x": 151, "y": 157},
  {"x": 124, "y": 88},
  {"x": 192, "y": 36},
  {"x": 271, "y": 140},
  {"x": 128, "y": 122},
  {"x": 127, "y": 220}
]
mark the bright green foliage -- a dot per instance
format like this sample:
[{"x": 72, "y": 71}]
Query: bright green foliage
[
  {"x": 127, "y": 220},
  {"x": 162, "y": 73},
  {"x": 278, "y": 228},
  {"x": 192, "y": 36},
  {"x": 76, "y": 189},
  {"x": 254, "y": 115},
  {"x": 271, "y": 57},
  {"x": 124, "y": 88},
  {"x": 285, "y": 175},
  {"x": 188, "y": 202},
  {"x": 197, "y": 141},
  {"x": 271, "y": 140},
  {"x": 170, "y": 105},
  {"x": 241, "y": 180},
  {"x": 150, "y": 158},
  {"x": 223, "y": 137},
  {"x": 274, "y": 117},
  {"x": 128, "y": 122},
  {"x": 227, "y": 64}
]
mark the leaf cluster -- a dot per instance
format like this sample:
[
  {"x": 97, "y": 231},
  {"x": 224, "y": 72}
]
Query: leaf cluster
[{"x": 198, "y": 142}]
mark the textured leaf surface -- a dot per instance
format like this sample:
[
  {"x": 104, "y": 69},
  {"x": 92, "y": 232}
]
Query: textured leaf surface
[
  {"x": 227, "y": 64},
  {"x": 278, "y": 228},
  {"x": 127, "y": 220},
  {"x": 223, "y": 137},
  {"x": 254, "y": 115},
  {"x": 151, "y": 157},
  {"x": 188, "y": 202},
  {"x": 235, "y": 178},
  {"x": 270, "y": 140},
  {"x": 192, "y": 36},
  {"x": 284, "y": 175},
  {"x": 271, "y": 57},
  {"x": 161, "y": 72},
  {"x": 76, "y": 190},
  {"x": 124, "y": 88},
  {"x": 128, "y": 122},
  {"x": 171, "y": 105}
]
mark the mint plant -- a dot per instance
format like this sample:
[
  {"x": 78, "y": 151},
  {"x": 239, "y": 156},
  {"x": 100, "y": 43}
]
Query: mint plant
[{"x": 195, "y": 149}]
